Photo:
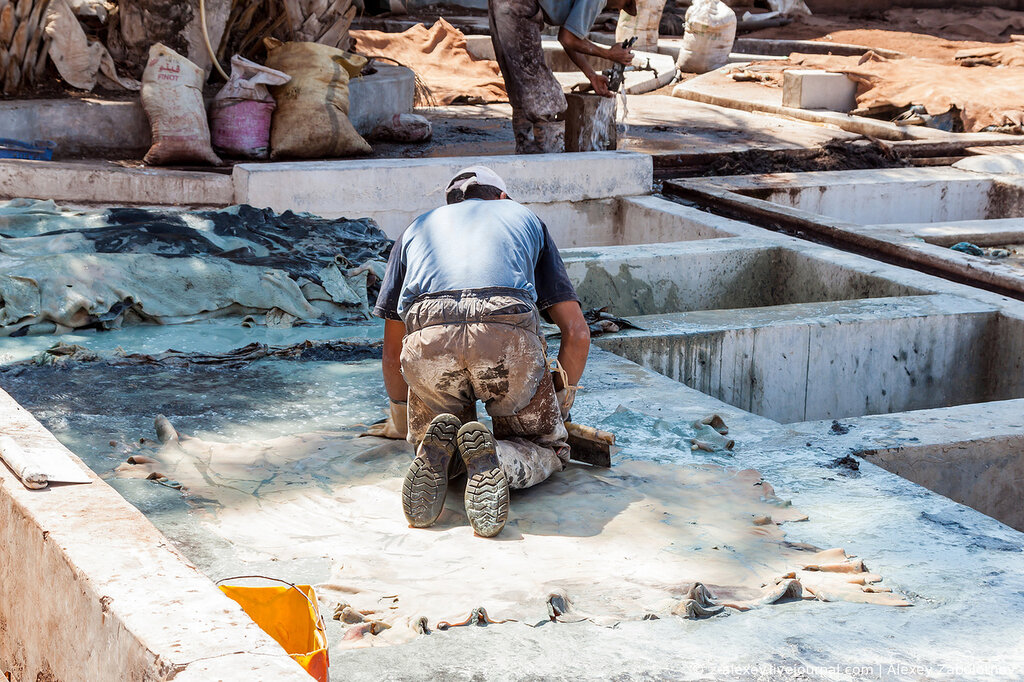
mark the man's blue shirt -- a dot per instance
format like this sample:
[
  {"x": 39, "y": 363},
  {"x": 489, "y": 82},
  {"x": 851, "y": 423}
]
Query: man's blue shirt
[
  {"x": 577, "y": 16},
  {"x": 474, "y": 244}
]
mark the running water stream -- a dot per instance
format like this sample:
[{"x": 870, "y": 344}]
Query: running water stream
[{"x": 600, "y": 139}]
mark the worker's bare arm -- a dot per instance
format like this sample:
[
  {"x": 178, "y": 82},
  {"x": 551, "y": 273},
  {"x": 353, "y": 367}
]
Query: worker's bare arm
[
  {"x": 575, "y": 338},
  {"x": 616, "y": 53},
  {"x": 394, "y": 382},
  {"x": 598, "y": 81}
]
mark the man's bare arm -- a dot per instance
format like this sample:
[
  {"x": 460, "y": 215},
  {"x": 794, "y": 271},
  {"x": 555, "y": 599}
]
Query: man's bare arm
[
  {"x": 577, "y": 49},
  {"x": 394, "y": 382},
  {"x": 575, "y": 338},
  {"x": 582, "y": 46}
]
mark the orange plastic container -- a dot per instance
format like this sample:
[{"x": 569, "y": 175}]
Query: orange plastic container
[{"x": 290, "y": 615}]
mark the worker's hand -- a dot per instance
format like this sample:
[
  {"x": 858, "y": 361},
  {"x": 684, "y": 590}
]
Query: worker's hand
[
  {"x": 396, "y": 426},
  {"x": 622, "y": 55},
  {"x": 600, "y": 83}
]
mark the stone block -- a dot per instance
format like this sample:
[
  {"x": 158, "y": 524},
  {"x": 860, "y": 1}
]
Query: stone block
[{"x": 813, "y": 89}]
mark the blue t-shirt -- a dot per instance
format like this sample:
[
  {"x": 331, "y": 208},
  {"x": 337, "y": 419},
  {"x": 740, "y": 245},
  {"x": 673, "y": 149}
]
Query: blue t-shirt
[
  {"x": 474, "y": 244},
  {"x": 577, "y": 16}
]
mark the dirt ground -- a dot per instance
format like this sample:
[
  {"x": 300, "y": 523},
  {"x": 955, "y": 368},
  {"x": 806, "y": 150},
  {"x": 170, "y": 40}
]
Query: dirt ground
[{"x": 935, "y": 34}]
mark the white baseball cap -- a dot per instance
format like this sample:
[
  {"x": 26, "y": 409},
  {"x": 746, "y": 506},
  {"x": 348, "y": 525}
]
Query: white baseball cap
[{"x": 475, "y": 175}]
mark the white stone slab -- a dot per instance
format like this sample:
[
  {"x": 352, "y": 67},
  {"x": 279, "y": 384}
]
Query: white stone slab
[
  {"x": 395, "y": 191},
  {"x": 816, "y": 89}
]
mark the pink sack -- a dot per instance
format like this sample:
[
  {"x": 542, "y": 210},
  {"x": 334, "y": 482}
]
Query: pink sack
[
  {"x": 241, "y": 112},
  {"x": 241, "y": 128}
]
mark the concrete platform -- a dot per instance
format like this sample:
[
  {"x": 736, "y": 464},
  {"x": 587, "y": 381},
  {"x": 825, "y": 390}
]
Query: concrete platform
[
  {"x": 93, "y": 591},
  {"x": 731, "y": 279}
]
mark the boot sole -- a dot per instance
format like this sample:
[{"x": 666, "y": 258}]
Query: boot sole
[
  {"x": 426, "y": 482},
  {"x": 486, "y": 488}
]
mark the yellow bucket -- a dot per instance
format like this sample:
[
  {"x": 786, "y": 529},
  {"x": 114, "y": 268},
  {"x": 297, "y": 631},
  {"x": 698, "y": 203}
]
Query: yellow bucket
[{"x": 290, "y": 615}]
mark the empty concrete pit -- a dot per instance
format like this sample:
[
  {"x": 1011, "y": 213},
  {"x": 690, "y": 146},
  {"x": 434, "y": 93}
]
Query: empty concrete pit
[
  {"x": 726, "y": 273},
  {"x": 889, "y": 196},
  {"x": 908, "y": 216}
]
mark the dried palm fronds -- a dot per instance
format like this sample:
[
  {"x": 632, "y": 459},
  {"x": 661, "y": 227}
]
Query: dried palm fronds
[
  {"x": 23, "y": 43},
  {"x": 320, "y": 21},
  {"x": 317, "y": 21}
]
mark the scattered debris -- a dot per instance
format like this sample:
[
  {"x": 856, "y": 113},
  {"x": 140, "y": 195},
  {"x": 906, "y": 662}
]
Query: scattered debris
[
  {"x": 710, "y": 435},
  {"x": 833, "y": 155},
  {"x": 699, "y": 602},
  {"x": 845, "y": 462},
  {"x": 839, "y": 429},
  {"x": 477, "y": 617},
  {"x": 968, "y": 248}
]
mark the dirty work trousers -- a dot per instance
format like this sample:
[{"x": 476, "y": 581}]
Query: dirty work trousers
[
  {"x": 485, "y": 344},
  {"x": 538, "y": 105}
]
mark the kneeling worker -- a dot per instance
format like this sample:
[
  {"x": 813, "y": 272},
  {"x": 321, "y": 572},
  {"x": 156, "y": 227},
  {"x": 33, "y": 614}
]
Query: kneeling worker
[
  {"x": 461, "y": 299},
  {"x": 538, "y": 104}
]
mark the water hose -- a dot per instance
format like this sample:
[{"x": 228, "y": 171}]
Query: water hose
[{"x": 206, "y": 38}]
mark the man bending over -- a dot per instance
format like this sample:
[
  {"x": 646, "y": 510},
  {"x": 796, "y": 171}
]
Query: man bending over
[{"x": 462, "y": 298}]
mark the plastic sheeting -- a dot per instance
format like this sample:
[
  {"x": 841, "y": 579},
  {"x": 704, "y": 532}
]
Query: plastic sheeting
[{"x": 63, "y": 270}]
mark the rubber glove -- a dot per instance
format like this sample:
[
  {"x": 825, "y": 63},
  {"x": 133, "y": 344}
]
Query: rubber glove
[{"x": 396, "y": 426}]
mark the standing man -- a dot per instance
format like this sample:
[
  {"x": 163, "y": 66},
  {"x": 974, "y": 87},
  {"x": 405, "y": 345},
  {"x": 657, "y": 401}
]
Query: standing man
[
  {"x": 538, "y": 104},
  {"x": 462, "y": 298}
]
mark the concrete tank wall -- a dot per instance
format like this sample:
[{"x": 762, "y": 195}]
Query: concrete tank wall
[
  {"x": 91, "y": 590},
  {"x": 712, "y": 274},
  {"x": 825, "y": 360}
]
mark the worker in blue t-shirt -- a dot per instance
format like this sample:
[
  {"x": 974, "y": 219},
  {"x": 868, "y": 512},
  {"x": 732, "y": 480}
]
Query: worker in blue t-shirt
[
  {"x": 538, "y": 104},
  {"x": 462, "y": 298}
]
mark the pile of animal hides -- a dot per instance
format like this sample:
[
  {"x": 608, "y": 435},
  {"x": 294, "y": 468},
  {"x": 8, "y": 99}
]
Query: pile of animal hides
[{"x": 63, "y": 269}]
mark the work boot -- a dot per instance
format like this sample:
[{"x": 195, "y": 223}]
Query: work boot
[
  {"x": 486, "y": 487},
  {"x": 426, "y": 482}
]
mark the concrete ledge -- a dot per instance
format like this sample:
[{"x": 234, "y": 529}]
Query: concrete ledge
[
  {"x": 93, "y": 591},
  {"x": 79, "y": 126},
  {"x": 104, "y": 183},
  {"x": 91, "y": 125},
  {"x": 362, "y": 187}
]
